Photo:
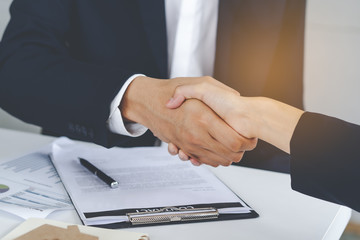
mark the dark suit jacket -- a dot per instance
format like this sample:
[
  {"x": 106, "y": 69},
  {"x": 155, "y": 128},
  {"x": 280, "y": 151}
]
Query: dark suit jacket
[
  {"x": 325, "y": 159},
  {"x": 63, "y": 61}
]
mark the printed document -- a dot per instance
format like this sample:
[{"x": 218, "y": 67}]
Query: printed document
[{"x": 149, "y": 178}]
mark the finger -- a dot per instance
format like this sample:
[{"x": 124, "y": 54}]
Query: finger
[
  {"x": 196, "y": 89},
  {"x": 224, "y": 156},
  {"x": 200, "y": 144},
  {"x": 212, "y": 93},
  {"x": 175, "y": 101},
  {"x": 193, "y": 90},
  {"x": 209, "y": 152},
  {"x": 192, "y": 159},
  {"x": 209, "y": 157},
  {"x": 173, "y": 149},
  {"x": 195, "y": 162},
  {"x": 183, "y": 156},
  {"x": 205, "y": 86},
  {"x": 229, "y": 138},
  {"x": 212, "y": 159}
]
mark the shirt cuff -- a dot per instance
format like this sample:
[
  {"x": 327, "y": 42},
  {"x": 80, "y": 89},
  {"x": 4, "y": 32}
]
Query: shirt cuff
[{"x": 116, "y": 123}]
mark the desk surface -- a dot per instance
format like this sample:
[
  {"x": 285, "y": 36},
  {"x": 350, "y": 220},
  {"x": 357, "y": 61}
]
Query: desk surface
[{"x": 283, "y": 212}]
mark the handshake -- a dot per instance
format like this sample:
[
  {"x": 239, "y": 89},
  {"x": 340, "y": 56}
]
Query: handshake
[{"x": 205, "y": 121}]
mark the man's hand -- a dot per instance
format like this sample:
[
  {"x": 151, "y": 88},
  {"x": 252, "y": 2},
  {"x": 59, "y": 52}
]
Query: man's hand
[{"x": 193, "y": 127}]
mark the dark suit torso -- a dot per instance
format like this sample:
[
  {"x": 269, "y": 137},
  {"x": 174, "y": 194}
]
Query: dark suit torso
[{"x": 63, "y": 61}]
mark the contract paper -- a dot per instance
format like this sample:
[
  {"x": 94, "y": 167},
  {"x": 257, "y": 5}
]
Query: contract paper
[{"x": 148, "y": 177}]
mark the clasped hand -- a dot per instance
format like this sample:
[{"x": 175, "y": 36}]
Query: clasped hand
[{"x": 193, "y": 127}]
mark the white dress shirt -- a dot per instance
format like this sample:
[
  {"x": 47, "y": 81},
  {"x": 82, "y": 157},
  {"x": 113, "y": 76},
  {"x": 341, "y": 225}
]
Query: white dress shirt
[{"x": 191, "y": 27}]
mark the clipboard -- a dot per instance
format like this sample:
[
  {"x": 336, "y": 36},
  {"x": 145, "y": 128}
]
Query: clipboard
[
  {"x": 154, "y": 188},
  {"x": 175, "y": 215}
]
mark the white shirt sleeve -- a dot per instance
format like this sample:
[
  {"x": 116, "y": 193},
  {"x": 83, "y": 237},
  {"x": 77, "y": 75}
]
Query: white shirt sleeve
[{"x": 116, "y": 123}]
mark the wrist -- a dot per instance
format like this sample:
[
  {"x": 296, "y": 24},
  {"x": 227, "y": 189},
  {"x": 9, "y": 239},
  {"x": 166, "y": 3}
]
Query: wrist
[
  {"x": 275, "y": 121},
  {"x": 249, "y": 116},
  {"x": 264, "y": 114},
  {"x": 137, "y": 99}
]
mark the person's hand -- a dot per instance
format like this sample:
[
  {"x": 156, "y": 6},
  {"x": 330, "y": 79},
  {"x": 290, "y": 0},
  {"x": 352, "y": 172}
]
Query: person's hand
[
  {"x": 252, "y": 117},
  {"x": 193, "y": 127},
  {"x": 223, "y": 100}
]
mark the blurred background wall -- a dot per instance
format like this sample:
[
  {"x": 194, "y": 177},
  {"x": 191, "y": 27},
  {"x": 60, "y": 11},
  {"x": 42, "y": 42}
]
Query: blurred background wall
[{"x": 332, "y": 62}]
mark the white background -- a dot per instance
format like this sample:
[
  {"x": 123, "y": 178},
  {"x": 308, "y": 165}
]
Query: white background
[{"x": 332, "y": 56}]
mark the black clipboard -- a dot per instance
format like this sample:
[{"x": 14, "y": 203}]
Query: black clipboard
[{"x": 173, "y": 215}]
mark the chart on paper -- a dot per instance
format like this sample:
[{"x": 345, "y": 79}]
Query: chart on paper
[
  {"x": 31, "y": 187},
  {"x": 3, "y": 188},
  {"x": 35, "y": 164}
]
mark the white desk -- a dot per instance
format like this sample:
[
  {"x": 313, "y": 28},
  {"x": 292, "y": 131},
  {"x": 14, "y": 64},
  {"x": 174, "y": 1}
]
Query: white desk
[{"x": 284, "y": 213}]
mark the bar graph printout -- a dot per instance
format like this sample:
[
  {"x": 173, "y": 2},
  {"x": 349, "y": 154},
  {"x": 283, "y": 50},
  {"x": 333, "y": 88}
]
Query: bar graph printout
[{"x": 31, "y": 187}]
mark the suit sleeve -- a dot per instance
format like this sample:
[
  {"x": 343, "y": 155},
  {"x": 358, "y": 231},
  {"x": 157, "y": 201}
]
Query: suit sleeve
[
  {"x": 42, "y": 84},
  {"x": 325, "y": 159}
]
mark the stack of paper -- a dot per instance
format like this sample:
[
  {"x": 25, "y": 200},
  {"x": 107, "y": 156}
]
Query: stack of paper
[{"x": 149, "y": 180}]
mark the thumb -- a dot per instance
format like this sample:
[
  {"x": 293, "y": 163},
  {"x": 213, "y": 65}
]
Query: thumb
[
  {"x": 175, "y": 101},
  {"x": 182, "y": 93}
]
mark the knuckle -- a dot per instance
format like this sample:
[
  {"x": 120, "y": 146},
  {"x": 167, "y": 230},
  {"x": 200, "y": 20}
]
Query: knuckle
[
  {"x": 238, "y": 157},
  {"x": 227, "y": 163},
  {"x": 215, "y": 165},
  {"x": 215, "y": 161},
  {"x": 193, "y": 137},
  {"x": 183, "y": 155},
  {"x": 177, "y": 90},
  {"x": 189, "y": 136},
  {"x": 236, "y": 146},
  {"x": 203, "y": 121},
  {"x": 208, "y": 79},
  {"x": 255, "y": 141},
  {"x": 252, "y": 144},
  {"x": 210, "y": 162},
  {"x": 194, "y": 156},
  {"x": 195, "y": 140}
]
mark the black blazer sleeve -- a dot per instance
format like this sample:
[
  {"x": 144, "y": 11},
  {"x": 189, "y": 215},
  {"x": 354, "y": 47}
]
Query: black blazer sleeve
[
  {"x": 325, "y": 159},
  {"x": 47, "y": 76}
]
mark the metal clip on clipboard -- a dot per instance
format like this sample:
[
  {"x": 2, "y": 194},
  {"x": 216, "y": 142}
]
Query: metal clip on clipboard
[{"x": 172, "y": 214}]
